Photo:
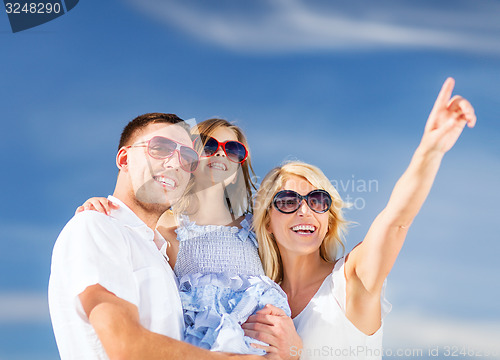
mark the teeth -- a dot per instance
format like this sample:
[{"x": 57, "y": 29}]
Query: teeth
[
  {"x": 304, "y": 228},
  {"x": 165, "y": 181},
  {"x": 218, "y": 166}
]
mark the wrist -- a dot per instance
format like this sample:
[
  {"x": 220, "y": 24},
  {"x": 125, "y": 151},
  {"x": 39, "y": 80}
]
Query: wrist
[{"x": 430, "y": 153}]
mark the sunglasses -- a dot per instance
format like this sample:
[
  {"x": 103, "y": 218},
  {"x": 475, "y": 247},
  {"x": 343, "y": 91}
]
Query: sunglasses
[
  {"x": 160, "y": 148},
  {"x": 288, "y": 201},
  {"x": 234, "y": 150}
]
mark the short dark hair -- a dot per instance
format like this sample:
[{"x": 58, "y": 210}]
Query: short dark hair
[{"x": 144, "y": 120}]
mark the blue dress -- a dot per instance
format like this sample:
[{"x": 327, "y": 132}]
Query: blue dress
[{"x": 222, "y": 283}]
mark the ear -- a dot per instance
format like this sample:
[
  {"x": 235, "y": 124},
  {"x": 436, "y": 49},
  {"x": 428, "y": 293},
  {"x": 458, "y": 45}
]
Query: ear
[{"x": 122, "y": 159}]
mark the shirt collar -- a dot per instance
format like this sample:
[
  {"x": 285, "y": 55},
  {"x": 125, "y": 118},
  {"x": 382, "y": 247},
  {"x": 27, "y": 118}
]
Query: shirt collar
[
  {"x": 124, "y": 214},
  {"x": 130, "y": 219}
]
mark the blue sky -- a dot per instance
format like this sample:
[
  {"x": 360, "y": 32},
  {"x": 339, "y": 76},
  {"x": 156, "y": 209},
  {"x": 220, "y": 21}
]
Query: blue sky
[{"x": 346, "y": 86}]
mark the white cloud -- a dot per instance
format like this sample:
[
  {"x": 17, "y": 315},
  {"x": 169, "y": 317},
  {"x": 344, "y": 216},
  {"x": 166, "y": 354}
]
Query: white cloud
[
  {"x": 23, "y": 307},
  {"x": 405, "y": 329},
  {"x": 299, "y": 25}
]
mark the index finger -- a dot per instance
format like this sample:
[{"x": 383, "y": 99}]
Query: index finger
[
  {"x": 271, "y": 310},
  {"x": 445, "y": 94},
  {"x": 260, "y": 318}
]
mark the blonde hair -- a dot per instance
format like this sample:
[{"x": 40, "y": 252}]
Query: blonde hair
[
  {"x": 239, "y": 194},
  {"x": 271, "y": 184}
]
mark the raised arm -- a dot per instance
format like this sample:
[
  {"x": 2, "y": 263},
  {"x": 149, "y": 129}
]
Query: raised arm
[{"x": 371, "y": 261}]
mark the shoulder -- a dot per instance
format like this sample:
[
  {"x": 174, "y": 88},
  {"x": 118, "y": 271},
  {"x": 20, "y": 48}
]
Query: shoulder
[
  {"x": 337, "y": 277},
  {"x": 247, "y": 220},
  {"x": 351, "y": 260},
  {"x": 246, "y": 230},
  {"x": 91, "y": 230},
  {"x": 90, "y": 222},
  {"x": 339, "y": 264},
  {"x": 88, "y": 218},
  {"x": 338, "y": 281}
]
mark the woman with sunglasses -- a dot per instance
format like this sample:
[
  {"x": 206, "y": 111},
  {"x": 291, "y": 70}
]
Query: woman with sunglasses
[
  {"x": 338, "y": 305},
  {"x": 213, "y": 250}
]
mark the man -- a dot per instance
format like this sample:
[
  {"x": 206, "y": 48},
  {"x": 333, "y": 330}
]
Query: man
[{"x": 112, "y": 293}]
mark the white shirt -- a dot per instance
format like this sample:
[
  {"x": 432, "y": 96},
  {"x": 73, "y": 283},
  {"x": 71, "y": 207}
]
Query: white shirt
[
  {"x": 119, "y": 253},
  {"x": 325, "y": 330}
]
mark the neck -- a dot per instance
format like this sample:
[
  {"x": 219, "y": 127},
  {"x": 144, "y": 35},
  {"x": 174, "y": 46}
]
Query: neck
[
  {"x": 148, "y": 213},
  {"x": 300, "y": 272},
  {"x": 212, "y": 207}
]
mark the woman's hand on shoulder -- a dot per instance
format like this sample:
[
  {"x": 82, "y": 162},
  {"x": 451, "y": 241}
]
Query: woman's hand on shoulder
[
  {"x": 272, "y": 326},
  {"x": 99, "y": 204}
]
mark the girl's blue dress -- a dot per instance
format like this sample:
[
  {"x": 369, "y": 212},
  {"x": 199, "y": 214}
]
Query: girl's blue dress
[{"x": 222, "y": 283}]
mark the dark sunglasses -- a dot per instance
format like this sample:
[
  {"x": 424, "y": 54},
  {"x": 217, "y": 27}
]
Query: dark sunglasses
[
  {"x": 288, "y": 201},
  {"x": 160, "y": 148},
  {"x": 234, "y": 150}
]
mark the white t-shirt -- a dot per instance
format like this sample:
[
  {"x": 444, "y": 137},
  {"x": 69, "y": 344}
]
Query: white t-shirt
[
  {"x": 119, "y": 253},
  {"x": 325, "y": 330}
]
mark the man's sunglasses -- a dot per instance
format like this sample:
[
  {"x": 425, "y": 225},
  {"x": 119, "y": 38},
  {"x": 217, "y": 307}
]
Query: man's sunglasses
[
  {"x": 234, "y": 150},
  {"x": 160, "y": 148},
  {"x": 288, "y": 201}
]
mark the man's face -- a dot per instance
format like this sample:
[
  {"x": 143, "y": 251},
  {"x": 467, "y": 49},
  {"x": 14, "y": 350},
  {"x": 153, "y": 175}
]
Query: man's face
[{"x": 157, "y": 183}]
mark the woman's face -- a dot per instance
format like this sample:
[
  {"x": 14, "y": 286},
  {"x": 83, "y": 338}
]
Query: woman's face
[
  {"x": 217, "y": 168},
  {"x": 301, "y": 232}
]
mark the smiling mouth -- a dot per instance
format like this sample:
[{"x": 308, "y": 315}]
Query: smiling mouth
[
  {"x": 166, "y": 182},
  {"x": 218, "y": 166},
  {"x": 304, "y": 229}
]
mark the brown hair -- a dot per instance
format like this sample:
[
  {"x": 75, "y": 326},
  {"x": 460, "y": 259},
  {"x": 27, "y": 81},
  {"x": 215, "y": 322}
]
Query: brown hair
[{"x": 136, "y": 125}]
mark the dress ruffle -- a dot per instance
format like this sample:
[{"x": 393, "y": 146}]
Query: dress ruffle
[
  {"x": 215, "y": 306},
  {"x": 188, "y": 229},
  {"x": 222, "y": 283}
]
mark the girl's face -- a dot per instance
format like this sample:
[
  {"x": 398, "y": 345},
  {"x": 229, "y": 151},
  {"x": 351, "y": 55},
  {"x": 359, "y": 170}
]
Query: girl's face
[
  {"x": 303, "y": 231},
  {"x": 217, "y": 168}
]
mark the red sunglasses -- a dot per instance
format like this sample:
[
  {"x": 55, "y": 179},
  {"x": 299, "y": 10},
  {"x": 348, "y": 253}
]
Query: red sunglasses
[{"x": 234, "y": 150}]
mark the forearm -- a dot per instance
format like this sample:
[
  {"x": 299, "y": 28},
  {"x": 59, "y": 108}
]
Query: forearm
[
  {"x": 412, "y": 188},
  {"x": 118, "y": 327},
  {"x": 372, "y": 261},
  {"x": 124, "y": 338},
  {"x": 174, "y": 349}
]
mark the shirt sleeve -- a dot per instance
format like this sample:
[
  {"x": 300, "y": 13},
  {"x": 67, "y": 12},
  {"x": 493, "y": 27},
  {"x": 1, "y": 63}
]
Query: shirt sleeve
[{"x": 92, "y": 249}]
